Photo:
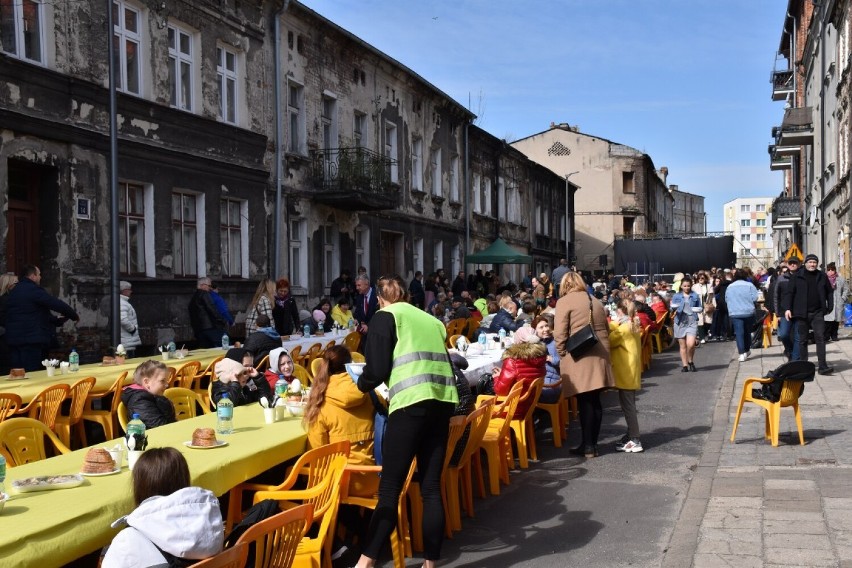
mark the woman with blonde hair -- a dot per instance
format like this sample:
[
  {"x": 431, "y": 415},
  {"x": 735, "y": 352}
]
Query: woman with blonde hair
[
  {"x": 584, "y": 376},
  {"x": 261, "y": 303},
  {"x": 626, "y": 344}
]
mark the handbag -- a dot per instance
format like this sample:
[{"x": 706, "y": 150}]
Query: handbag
[{"x": 582, "y": 341}]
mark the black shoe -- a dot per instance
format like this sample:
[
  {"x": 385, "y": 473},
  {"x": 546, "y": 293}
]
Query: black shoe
[
  {"x": 685, "y": 369},
  {"x": 692, "y": 367},
  {"x": 585, "y": 451},
  {"x": 825, "y": 370}
]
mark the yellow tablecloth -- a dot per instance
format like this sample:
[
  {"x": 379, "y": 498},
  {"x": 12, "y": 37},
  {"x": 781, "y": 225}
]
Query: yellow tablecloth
[{"x": 51, "y": 528}]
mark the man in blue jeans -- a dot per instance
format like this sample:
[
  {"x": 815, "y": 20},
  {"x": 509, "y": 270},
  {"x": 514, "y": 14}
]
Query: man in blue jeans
[
  {"x": 787, "y": 334},
  {"x": 740, "y": 297}
]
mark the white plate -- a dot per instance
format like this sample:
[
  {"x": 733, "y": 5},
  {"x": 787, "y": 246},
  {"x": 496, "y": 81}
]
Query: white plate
[
  {"x": 113, "y": 472},
  {"x": 219, "y": 444},
  {"x": 45, "y": 482}
]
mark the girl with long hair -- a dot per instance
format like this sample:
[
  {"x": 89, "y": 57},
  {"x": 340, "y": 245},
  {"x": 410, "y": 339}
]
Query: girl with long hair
[{"x": 261, "y": 303}]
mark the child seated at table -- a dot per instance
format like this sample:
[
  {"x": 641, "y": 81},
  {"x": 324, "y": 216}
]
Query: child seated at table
[
  {"x": 243, "y": 385},
  {"x": 171, "y": 519},
  {"x": 280, "y": 365},
  {"x": 145, "y": 396}
]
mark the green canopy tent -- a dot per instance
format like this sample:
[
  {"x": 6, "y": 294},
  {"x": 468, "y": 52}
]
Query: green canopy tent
[{"x": 498, "y": 253}]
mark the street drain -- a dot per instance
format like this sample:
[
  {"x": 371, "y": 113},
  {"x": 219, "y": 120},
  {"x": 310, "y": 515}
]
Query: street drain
[{"x": 808, "y": 461}]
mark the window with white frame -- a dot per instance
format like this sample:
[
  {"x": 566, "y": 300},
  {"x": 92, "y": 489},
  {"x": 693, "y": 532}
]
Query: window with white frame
[
  {"x": 127, "y": 38},
  {"x": 296, "y": 141},
  {"x": 362, "y": 246},
  {"x": 745, "y": 223},
  {"x": 233, "y": 232},
  {"x": 760, "y": 207},
  {"x": 391, "y": 151},
  {"x": 181, "y": 54},
  {"x": 435, "y": 167},
  {"x": 501, "y": 199},
  {"x": 744, "y": 236},
  {"x": 760, "y": 222},
  {"x": 330, "y": 259},
  {"x": 745, "y": 208},
  {"x": 476, "y": 189},
  {"x": 187, "y": 232},
  {"x": 329, "y": 132},
  {"x": 486, "y": 196},
  {"x": 227, "y": 73},
  {"x": 22, "y": 29},
  {"x": 299, "y": 253},
  {"x": 134, "y": 227},
  {"x": 760, "y": 237},
  {"x": 359, "y": 129},
  {"x": 454, "y": 178},
  {"x": 418, "y": 255},
  {"x": 438, "y": 255},
  {"x": 455, "y": 259},
  {"x": 417, "y": 164}
]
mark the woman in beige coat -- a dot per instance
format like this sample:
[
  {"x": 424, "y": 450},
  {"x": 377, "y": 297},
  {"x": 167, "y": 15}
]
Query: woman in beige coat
[{"x": 589, "y": 374}]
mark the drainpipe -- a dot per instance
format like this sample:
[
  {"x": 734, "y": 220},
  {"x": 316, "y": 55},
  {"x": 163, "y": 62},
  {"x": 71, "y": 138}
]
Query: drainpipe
[
  {"x": 466, "y": 192},
  {"x": 113, "y": 184},
  {"x": 823, "y": 55},
  {"x": 279, "y": 136}
]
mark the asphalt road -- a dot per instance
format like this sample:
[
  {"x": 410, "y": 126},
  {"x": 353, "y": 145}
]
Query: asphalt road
[{"x": 614, "y": 510}]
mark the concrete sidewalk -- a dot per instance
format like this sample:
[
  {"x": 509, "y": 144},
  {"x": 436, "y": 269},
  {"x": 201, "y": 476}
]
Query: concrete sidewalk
[{"x": 754, "y": 505}]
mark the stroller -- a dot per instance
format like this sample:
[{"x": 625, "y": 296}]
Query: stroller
[{"x": 757, "y": 331}]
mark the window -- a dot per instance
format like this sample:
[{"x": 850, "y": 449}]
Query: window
[
  {"x": 501, "y": 199},
  {"x": 745, "y": 223},
  {"x": 180, "y": 68},
  {"x": 454, "y": 178},
  {"x": 296, "y": 118},
  {"x": 436, "y": 171},
  {"x": 131, "y": 228},
  {"x": 760, "y": 207},
  {"x": 438, "y": 256},
  {"x": 234, "y": 237},
  {"x": 226, "y": 72},
  {"x": 562, "y": 227},
  {"x": 362, "y": 246},
  {"x": 539, "y": 230},
  {"x": 330, "y": 260},
  {"x": 21, "y": 25},
  {"x": 360, "y": 129},
  {"x": 745, "y": 236},
  {"x": 417, "y": 165},
  {"x": 418, "y": 255},
  {"x": 476, "y": 189},
  {"x": 627, "y": 182},
  {"x": 745, "y": 208},
  {"x": 329, "y": 133},
  {"x": 760, "y": 237},
  {"x": 299, "y": 253},
  {"x": 627, "y": 226},
  {"x": 185, "y": 232},
  {"x": 745, "y": 252},
  {"x": 760, "y": 222},
  {"x": 486, "y": 196},
  {"x": 127, "y": 40},
  {"x": 455, "y": 259},
  {"x": 391, "y": 152}
]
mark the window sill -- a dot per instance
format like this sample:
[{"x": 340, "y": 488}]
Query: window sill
[
  {"x": 294, "y": 157},
  {"x": 418, "y": 192},
  {"x": 438, "y": 200},
  {"x": 455, "y": 203}
]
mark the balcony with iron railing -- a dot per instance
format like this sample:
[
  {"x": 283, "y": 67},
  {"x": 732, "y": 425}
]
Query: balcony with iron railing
[
  {"x": 797, "y": 128},
  {"x": 353, "y": 178},
  {"x": 782, "y": 84},
  {"x": 780, "y": 160},
  {"x": 786, "y": 212}
]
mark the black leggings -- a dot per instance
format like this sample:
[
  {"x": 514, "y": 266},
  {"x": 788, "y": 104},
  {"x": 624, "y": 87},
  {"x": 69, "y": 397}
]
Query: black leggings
[
  {"x": 591, "y": 415},
  {"x": 419, "y": 430}
]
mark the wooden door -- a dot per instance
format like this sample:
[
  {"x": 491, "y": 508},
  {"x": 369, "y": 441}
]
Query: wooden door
[{"x": 22, "y": 218}]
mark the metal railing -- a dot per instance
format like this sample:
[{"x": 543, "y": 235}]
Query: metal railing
[
  {"x": 786, "y": 207},
  {"x": 352, "y": 169}
]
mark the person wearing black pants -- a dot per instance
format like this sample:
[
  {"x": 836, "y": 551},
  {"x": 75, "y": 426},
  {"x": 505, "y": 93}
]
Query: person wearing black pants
[
  {"x": 591, "y": 415},
  {"x": 806, "y": 300}
]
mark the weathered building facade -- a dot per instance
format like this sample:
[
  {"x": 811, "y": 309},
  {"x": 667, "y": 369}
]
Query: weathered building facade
[
  {"x": 619, "y": 190},
  {"x": 689, "y": 215}
]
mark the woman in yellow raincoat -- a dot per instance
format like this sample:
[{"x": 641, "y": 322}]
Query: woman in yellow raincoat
[{"x": 626, "y": 357}]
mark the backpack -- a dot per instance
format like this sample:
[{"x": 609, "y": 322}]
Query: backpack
[
  {"x": 802, "y": 371},
  {"x": 263, "y": 510}
]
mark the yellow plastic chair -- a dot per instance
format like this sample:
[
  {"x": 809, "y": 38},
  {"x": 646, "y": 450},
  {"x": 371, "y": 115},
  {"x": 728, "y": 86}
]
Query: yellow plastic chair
[
  {"x": 523, "y": 427},
  {"x": 185, "y": 375},
  {"x": 790, "y": 393},
  {"x": 312, "y": 353},
  {"x": 185, "y": 402},
  {"x": 358, "y": 357},
  {"x": 455, "y": 327},
  {"x": 315, "y": 364},
  {"x": 105, "y": 417},
  {"x": 9, "y": 405},
  {"x": 659, "y": 336},
  {"x": 314, "y": 464},
  {"x": 22, "y": 441},
  {"x": 202, "y": 380},
  {"x": 558, "y": 412},
  {"x": 315, "y": 551},
  {"x": 233, "y": 557},
  {"x": 497, "y": 442},
  {"x": 457, "y": 485},
  {"x": 352, "y": 341},
  {"x": 302, "y": 374},
  {"x": 277, "y": 538},
  {"x": 79, "y": 392},
  {"x": 123, "y": 415},
  {"x": 471, "y": 329},
  {"x": 45, "y": 405},
  {"x": 453, "y": 341},
  {"x": 172, "y": 379}
]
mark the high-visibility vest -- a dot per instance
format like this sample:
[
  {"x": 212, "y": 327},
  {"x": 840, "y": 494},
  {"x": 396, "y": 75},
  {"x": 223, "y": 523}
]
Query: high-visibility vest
[{"x": 421, "y": 367}]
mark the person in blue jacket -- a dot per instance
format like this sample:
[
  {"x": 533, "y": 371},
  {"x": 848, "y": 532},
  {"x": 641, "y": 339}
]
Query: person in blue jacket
[
  {"x": 687, "y": 308},
  {"x": 740, "y": 297},
  {"x": 30, "y": 323}
]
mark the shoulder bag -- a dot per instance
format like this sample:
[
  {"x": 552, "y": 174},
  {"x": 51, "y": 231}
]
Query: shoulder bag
[{"x": 583, "y": 340}]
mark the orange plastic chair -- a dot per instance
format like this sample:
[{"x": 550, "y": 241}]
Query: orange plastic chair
[
  {"x": 185, "y": 375},
  {"x": 263, "y": 364},
  {"x": 455, "y": 327},
  {"x": 472, "y": 328},
  {"x": 523, "y": 427},
  {"x": 45, "y": 405},
  {"x": 314, "y": 463},
  {"x": 315, "y": 551},
  {"x": 312, "y": 353},
  {"x": 659, "y": 336},
  {"x": 233, "y": 557},
  {"x": 185, "y": 402},
  {"x": 106, "y": 418},
  {"x": 457, "y": 484},
  {"x": 497, "y": 442},
  {"x": 558, "y": 412},
  {"x": 79, "y": 392},
  {"x": 790, "y": 393},
  {"x": 278, "y": 538},
  {"x": 9, "y": 405},
  {"x": 22, "y": 441},
  {"x": 296, "y": 354},
  {"x": 352, "y": 341},
  {"x": 647, "y": 348},
  {"x": 202, "y": 380},
  {"x": 172, "y": 379}
]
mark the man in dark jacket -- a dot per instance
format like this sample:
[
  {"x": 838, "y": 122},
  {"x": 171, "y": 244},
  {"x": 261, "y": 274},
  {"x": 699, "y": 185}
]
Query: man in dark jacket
[
  {"x": 366, "y": 302},
  {"x": 341, "y": 286},
  {"x": 30, "y": 323},
  {"x": 459, "y": 284},
  {"x": 786, "y": 328},
  {"x": 207, "y": 323},
  {"x": 806, "y": 300},
  {"x": 262, "y": 341},
  {"x": 415, "y": 290}
]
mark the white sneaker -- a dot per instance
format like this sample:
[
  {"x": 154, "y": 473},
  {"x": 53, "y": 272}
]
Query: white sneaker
[
  {"x": 743, "y": 357},
  {"x": 631, "y": 447},
  {"x": 703, "y": 341}
]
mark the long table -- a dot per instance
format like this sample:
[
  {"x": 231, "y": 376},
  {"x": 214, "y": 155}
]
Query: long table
[
  {"x": 52, "y": 528},
  {"x": 105, "y": 375}
]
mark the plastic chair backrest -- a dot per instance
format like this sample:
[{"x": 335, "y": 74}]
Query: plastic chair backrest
[
  {"x": 46, "y": 404},
  {"x": 186, "y": 374},
  {"x": 478, "y": 420},
  {"x": 457, "y": 426},
  {"x": 263, "y": 364},
  {"x": 358, "y": 357},
  {"x": 172, "y": 379},
  {"x": 79, "y": 392},
  {"x": 22, "y": 440},
  {"x": 233, "y": 557},
  {"x": 9, "y": 405},
  {"x": 116, "y": 390},
  {"x": 208, "y": 372},
  {"x": 122, "y": 415},
  {"x": 533, "y": 393},
  {"x": 302, "y": 374},
  {"x": 352, "y": 341},
  {"x": 313, "y": 352},
  {"x": 277, "y": 537},
  {"x": 184, "y": 401},
  {"x": 295, "y": 354},
  {"x": 453, "y": 339},
  {"x": 506, "y": 410},
  {"x": 315, "y": 365}
]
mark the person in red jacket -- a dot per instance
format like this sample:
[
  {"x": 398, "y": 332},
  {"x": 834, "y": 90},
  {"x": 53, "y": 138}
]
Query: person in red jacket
[{"x": 523, "y": 361}]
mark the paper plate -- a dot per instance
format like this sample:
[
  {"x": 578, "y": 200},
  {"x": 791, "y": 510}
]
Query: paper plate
[{"x": 113, "y": 472}]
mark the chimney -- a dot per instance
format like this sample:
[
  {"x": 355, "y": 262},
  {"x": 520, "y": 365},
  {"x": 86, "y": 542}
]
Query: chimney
[{"x": 663, "y": 173}]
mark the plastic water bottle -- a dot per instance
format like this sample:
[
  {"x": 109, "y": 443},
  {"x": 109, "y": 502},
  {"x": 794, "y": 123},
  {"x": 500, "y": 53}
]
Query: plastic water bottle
[
  {"x": 2, "y": 477},
  {"x": 306, "y": 331},
  {"x": 136, "y": 439},
  {"x": 74, "y": 361},
  {"x": 225, "y": 415},
  {"x": 226, "y": 342},
  {"x": 502, "y": 334},
  {"x": 172, "y": 350},
  {"x": 351, "y": 324},
  {"x": 482, "y": 339},
  {"x": 281, "y": 387}
]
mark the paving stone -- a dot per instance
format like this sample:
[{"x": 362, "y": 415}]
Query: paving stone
[
  {"x": 844, "y": 503},
  {"x": 790, "y": 484},
  {"x": 788, "y": 505},
  {"x": 726, "y": 561},
  {"x": 799, "y": 557},
  {"x": 753, "y": 537},
  {"x": 800, "y": 527},
  {"x": 815, "y": 542},
  {"x": 787, "y": 515}
]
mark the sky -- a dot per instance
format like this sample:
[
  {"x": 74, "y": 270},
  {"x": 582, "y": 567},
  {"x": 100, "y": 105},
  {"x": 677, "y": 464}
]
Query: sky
[{"x": 685, "y": 81}]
